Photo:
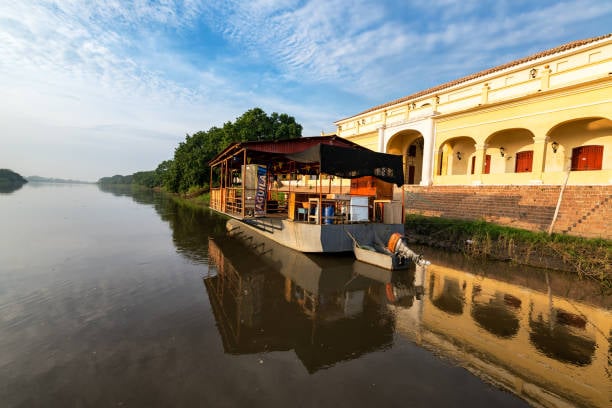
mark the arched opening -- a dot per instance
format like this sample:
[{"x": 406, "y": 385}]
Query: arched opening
[
  {"x": 510, "y": 150},
  {"x": 497, "y": 313},
  {"x": 409, "y": 143},
  {"x": 579, "y": 145},
  {"x": 562, "y": 337},
  {"x": 447, "y": 294},
  {"x": 455, "y": 156}
]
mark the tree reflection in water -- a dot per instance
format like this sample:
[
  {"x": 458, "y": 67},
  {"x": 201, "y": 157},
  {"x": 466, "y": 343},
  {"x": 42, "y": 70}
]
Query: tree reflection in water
[
  {"x": 191, "y": 226},
  {"x": 8, "y": 188}
]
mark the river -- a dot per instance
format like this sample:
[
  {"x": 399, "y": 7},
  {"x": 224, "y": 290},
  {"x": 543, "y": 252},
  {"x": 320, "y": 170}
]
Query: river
[{"x": 115, "y": 298}]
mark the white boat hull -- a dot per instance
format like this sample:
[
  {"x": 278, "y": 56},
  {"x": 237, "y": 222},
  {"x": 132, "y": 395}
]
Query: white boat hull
[
  {"x": 382, "y": 260},
  {"x": 313, "y": 238}
]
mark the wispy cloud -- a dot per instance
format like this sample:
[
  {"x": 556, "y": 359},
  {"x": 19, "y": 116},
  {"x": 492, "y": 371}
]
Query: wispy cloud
[{"x": 353, "y": 47}]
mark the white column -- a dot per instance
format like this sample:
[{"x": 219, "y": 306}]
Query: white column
[
  {"x": 428, "y": 137},
  {"x": 381, "y": 139}
]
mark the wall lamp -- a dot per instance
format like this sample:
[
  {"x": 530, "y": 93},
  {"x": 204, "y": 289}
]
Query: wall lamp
[
  {"x": 459, "y": 155},
  {"x": 502, "y": 151},
  {"x": 554, "y": 146}
]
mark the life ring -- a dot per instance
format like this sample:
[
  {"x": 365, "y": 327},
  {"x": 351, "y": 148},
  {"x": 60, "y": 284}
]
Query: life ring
[{"x": 393, "y": 240}]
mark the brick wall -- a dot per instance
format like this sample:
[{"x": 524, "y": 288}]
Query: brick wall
[{"x": 585, "y": 210}]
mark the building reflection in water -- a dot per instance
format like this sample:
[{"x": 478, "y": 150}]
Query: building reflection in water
[
  {"x": 447, "y": 295},
  {"x": 550, "y": 350},
  {"x": 497, "y": 312}
]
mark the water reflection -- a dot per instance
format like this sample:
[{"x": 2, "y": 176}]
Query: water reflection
[
  {"x": 548, "y": 349},
  {"x": 266, "y": 297},
  {"x": 562, "y": 336},
  {"x": 507, "y": 325},
  {"x": 191, "y": 226},
  {"x": 496, "y": 312},
  {"x": 329, "y": 309},
  {"x": 8, "y": 188},
  {"x": 447, "y": 294}
]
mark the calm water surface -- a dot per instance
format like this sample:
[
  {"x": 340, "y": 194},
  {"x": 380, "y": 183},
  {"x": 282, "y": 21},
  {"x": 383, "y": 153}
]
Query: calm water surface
[{"x": 109, "y": 298}]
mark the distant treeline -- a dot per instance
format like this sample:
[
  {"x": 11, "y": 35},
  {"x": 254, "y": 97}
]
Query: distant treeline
[
  {"x": 189, "y": 168},
  {"x": 9, "y": 177},
  {"x": 38, "y": 179},
  {"x": 143, "y": 178}
]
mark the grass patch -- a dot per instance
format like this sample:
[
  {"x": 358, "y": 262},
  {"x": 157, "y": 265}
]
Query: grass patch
[{"x": 588, "y": 257}]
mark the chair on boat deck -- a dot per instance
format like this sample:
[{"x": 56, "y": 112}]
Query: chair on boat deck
[{"x": 302, "y": 214}]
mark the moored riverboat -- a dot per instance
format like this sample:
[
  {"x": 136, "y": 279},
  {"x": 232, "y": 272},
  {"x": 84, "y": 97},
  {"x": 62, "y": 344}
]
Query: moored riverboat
[{"x": 307, "y": 193}]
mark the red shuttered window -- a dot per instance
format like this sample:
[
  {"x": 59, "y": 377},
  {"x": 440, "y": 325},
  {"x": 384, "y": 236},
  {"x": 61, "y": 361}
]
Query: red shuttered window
[{"x": 587, "y": 158}]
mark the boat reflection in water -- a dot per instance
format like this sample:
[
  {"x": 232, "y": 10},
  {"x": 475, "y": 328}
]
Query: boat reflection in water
[
  {"x": 266, "y": 297},
  {"x": 550, "y": 350}
]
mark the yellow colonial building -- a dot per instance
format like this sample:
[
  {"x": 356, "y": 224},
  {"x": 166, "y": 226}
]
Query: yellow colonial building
[
  {"x": 530, "y": 121},
  {"x": 524, "y": 129}
]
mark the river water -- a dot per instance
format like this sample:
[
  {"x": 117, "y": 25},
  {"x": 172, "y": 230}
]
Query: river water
[{"x": 114, "y": 298}]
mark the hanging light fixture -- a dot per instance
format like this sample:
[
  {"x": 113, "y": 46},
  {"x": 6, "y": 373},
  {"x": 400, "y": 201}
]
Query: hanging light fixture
[
  {"x": 502, "y": 151},
  {"x": 459, "y": 155},
  {"x": 554, "y": 146}
]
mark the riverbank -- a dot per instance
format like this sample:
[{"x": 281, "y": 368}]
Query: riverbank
[{"x": 589, "y": 258}]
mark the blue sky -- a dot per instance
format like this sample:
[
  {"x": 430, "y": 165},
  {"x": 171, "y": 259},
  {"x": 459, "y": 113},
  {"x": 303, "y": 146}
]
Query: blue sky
[{"x": 91, "y": 89}]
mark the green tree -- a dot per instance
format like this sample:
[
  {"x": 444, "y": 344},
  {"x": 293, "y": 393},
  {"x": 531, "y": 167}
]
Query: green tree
[
  {"x": 145, "y": 178},
  {"x": 10, "y": 177},
  {"x": 116, "y": 179},
  {"x": 189, "y": 167},
  {"x": 161, "y": 172}
]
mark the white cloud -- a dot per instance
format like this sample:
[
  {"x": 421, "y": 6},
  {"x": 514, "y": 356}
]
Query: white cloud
[{"x": 326, "y": 41}]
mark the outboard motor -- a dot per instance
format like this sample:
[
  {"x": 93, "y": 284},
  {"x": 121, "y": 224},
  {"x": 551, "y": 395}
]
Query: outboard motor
[{"x": 398, "y": 245}]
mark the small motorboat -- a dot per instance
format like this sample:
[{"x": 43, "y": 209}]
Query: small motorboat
[{"x": 394, "y": 255}]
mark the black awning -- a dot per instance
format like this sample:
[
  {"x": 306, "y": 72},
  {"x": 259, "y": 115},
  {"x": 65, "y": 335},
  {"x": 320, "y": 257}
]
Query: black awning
[{"x": 348, "y": 162}]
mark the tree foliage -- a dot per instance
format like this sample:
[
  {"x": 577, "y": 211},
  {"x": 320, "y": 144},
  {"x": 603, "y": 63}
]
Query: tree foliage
[
  {"x": 116, "y": 179},
  {"x": 189, "y": 166},
  {"x": 145, "y": 178},
  {"x": 10, "y": 177}
]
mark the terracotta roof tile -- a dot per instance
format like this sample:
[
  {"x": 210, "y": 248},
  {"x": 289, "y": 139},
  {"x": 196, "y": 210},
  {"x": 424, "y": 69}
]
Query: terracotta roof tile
[{"x": 561, "y": 48}]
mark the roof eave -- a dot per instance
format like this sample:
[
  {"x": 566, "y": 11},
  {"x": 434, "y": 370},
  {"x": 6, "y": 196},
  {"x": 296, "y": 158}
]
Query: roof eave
[{"x": 481, "y": 74}]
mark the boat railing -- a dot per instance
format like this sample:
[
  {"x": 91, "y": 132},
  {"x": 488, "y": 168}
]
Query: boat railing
[{"x": 308, "y": 208}]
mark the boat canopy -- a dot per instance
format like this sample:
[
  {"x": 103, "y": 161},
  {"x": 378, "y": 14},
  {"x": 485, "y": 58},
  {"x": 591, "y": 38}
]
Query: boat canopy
[
  {"x": 350, "y": 162},
  {"x": 331, "y": 155}
]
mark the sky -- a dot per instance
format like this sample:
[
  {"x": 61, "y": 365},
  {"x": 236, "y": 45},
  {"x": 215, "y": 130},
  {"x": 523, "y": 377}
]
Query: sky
[{"x": 92, "y": 89}]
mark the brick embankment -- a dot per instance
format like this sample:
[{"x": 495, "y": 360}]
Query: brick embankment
[{"x": 585, "y": 211}]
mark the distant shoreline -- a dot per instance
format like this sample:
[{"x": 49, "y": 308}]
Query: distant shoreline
[{"x": 37, "y": 179}]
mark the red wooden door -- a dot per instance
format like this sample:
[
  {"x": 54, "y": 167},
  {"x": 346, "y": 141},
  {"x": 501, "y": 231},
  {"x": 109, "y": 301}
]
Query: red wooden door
[
  {"x": 473, "y": 164},
  {"x": 524, "y": 160},
  {"x": 587, "y": 157}
]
